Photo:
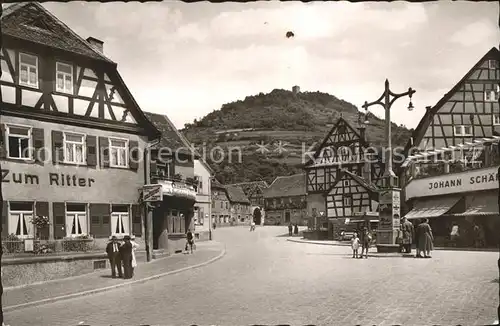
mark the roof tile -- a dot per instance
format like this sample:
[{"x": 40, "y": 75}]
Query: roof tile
[
  {"x": 236, "y": 195},
  {"x": 293, "y": 185}
]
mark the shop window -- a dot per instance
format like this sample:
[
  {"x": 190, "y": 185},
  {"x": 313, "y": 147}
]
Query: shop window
[
  {"x": 64, "y": 78},
  {"x": 120, "y": 220},
  {"x": 20, "y": 217},
  {"x": 74, "y": 148},
  {"x": 28, "y": 68},
  {"x": 119, "y": 152},
  {"x": 76, "y": 220},
  {"x": 19, "y": 141}
]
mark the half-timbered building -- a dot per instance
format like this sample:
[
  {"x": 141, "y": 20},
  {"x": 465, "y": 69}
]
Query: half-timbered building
[
  {"x": 285, "y": 201},
  {"x": 221, "y": 207},
  {"x": 343, "y": 148},
  {"x": 73, "y": 135},
  {"x": 450, "y": 174}
]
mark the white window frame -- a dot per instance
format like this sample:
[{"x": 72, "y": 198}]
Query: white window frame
[
  {"x": 347, "y": 201},
  {"x": 74, "y": 215},
  {"x": 493, "y": 64},
  {"x": 84, "y": 147},
  {"x": 491, "y": 95},
  {"x": 119, "y": 217},
  {"x": 28, "y": 66},
  {"x": 64, "y": 74},
  {"x": 30, "y": 140},
  {"x": 462, "y": 132},
  {"x": 496, "y": 119},
  {"x": 21, "y": 217},
  {"x": 126, "y": 149}
]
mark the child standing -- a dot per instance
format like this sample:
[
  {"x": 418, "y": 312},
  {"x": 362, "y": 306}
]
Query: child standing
[{"x": 355, "y": 245}]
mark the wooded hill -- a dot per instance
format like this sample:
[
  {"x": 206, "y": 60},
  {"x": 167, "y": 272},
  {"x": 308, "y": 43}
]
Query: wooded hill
[{"x": 298, "y": 121}]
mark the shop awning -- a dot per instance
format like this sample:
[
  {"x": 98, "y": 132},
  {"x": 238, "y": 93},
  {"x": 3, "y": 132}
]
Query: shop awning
[
  {"x": 481, "y": 205},
  {"x": 432, "y": 207}
]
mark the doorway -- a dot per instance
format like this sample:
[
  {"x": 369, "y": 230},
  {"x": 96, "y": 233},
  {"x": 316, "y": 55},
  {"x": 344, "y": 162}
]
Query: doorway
[
  {"x": 257, "y": 216},
  {"x": 287, "y": 217}
]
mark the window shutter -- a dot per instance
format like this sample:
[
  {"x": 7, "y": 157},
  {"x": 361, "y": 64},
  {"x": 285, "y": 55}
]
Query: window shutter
[
  {"x": 153, "y": 168},
  {"x": 39, "y": 145},
  {"x": 133, "y": 154},
  {"x": 104, "y": 151},
  {"x": 136, "y": 220},
  {"x": 57, "y": 146},
  {"x": 59, "y": 220},
  {"x": 3, "y": 149},
  {"x": 99, "y": 211},
  {"x": 5, "y": 217},
  {"x": 91, "y": 150}
]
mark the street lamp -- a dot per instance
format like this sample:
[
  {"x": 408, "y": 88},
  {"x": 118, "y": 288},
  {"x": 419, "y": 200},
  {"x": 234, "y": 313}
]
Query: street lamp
[
  {"x": 390, "y": 179},
  {"x": 389, "y": 194}
]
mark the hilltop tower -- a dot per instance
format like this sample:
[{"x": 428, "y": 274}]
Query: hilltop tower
[{"x": 296, "y": 90}]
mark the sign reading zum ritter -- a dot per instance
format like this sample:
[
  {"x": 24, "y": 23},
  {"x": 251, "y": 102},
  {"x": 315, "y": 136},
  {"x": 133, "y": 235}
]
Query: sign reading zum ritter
[
  {"x": 468, "y": 181},
  {"x": 54, "y": 179}
]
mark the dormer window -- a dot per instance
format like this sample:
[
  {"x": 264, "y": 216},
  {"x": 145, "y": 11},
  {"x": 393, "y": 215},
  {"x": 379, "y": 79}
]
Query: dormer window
[
  {"x": 64, "y": 78},
  {"x": 28, "y": 70},
  {"x": 463, "y": 130}
]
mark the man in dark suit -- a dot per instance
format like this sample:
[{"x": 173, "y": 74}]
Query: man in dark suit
[
  {"x": 113, "y": 251},
  {"x": 126, "y": 255}
]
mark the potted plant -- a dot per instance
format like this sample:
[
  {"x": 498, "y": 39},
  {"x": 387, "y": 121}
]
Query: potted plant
[
  {"x": 177, "y": 177},
  {"x": 41, "y": 223}
]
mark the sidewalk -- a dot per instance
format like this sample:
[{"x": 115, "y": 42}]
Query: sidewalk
[
  {"x": 348, "y": 244},
  {"x": 99, "y": 281}
]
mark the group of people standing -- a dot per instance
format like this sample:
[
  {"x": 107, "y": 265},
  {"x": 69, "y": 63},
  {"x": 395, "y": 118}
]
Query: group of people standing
[
  {"x": 423, "y": 236},
  {"x": 364, "y": 240},
  {"x": 122, "y": 255},
  {"x": 294, "y": 227}
]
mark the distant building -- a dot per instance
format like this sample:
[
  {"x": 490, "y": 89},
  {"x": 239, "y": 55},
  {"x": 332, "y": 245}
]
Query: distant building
[
  {"x": 254, "y": 190},
  {"x": 240, "y": 205},
  {"x": 203, "y": 207},
  {"x": 285, "y": 201},
  {"x": 296, "y": 89},
  {"x": 221, "y": 210}
]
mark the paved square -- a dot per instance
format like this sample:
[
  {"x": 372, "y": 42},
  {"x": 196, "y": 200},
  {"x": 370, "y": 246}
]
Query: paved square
[{"x": 264, "y": 279}]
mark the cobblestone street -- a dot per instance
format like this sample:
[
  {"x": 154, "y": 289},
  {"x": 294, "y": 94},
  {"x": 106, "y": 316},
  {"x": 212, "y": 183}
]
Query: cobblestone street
[{"x": 264, "y": 279}]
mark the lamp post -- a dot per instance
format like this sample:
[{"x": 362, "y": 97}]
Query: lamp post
[{"x": 389, "y": 194}]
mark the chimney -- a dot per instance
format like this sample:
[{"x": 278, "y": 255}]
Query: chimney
[{"x": 97, "y": 44}]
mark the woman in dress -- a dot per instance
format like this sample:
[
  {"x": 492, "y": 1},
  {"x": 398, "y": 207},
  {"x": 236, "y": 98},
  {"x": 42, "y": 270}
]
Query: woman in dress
[
  {"x": 425, "y": 238},
  {"x": 135, "y": 246}
]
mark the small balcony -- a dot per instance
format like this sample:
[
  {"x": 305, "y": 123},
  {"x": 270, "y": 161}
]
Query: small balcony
[{"x": 177, "y": 185}]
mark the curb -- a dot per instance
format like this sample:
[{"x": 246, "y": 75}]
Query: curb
[
  {"x": 435, "y": 248},
  {"x": 112, "y": 287}
]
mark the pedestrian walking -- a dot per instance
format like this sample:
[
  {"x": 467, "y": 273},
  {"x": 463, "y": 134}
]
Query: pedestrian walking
[
  {"x": 126, "y": 255},
  {"x": 252, "y": 226},
  {"x": 113, "y": 251},
  {"x": 425, "y": 241},
  {"x": 290, "y": 229},
  {"x": 135, "y": 246},
  {"x": 355, "y": 245},
  {"x": 366, "y": 240},
  {"x": 407, "y": 234},
  {"x": 296, "y": 229},
  {"x": 190, "y": 240},
  {"x": 454, "y": 235}
]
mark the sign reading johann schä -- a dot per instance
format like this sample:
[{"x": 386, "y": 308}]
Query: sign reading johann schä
[{"x": 468, "y": 181}]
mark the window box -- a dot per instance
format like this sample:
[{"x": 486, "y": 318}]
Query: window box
[
  {"x": 74, "y": 148},
  {"x": 28, "y": 70},
  {"x": 64, "y": 78},
  {"x": 19, "y": 142}
]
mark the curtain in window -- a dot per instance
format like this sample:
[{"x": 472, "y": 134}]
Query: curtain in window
[
  {"x": 29, "y": 226},
  {"x": 114, "y": 156},
  {"x": 82, "y": 219},
  {"x": 24, "y": 74},
  {"x": 70, "y": 153},
  {"x": 33, "y": 75},
  {"x": 125, "y": 220},
  {"x": 79, "y": 153}
]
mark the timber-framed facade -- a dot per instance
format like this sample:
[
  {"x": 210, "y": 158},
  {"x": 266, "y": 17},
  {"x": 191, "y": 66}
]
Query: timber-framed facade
[{"x": 73, "y": 133}]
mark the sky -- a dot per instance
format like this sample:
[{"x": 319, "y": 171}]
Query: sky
[{"x": 187, "y": 60}]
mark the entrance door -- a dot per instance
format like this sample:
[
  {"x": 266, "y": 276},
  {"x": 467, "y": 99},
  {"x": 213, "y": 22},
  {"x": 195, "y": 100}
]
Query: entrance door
[
  {"x": 257, "y": 216},
  {"x": 287, "y": 217}
]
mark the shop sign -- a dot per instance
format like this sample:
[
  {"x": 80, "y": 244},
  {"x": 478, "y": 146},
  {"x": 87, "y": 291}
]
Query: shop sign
[
  {"x": 53, "y": 179},
  {"x": 151, "y": 193},
  {"x": 389, "y": 209},
  {"x": 468, "y": 181},
  {"x": 178, "y": 189}
]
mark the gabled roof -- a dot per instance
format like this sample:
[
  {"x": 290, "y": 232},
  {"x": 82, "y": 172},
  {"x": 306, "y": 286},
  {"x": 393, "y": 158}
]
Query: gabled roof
[
  {"x": 30, "y": 21},
  {"x": 236, "y": 195},
  {"x": 171, "y": 138},
  {"x": 286, "y": 186},
  {"x": 419, "y": 132},
  {"x": 249, "y": 187},
  {"x": 340, "y": 122},
  {"x": 362, "y": 182}
]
